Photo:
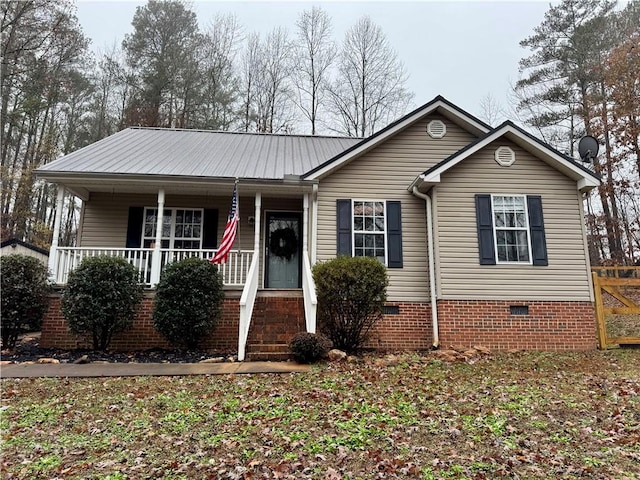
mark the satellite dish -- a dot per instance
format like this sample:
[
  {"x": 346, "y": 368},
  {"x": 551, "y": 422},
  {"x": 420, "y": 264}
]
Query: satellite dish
[{"x": 588, "y": 148}]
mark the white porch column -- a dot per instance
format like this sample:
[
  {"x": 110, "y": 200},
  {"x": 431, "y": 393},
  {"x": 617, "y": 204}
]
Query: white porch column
[
  {"x": 256, "y": 224},
  {"x": 53, "y": 251},
  {"x": 314, "y": 225},
  {"x": 156, "y": 260},
  {"x": 305, "y": 224}
]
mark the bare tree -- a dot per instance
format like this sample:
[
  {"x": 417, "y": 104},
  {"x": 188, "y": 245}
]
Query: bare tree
[
  {"x": 267, "y": 97},
  {"x": 370, "y": 88},
  {"x": 220, "y": 85},
  {"x": 250, "y": 72},
  {"x": 315, "y": 55},
  {"x": 43, "y": 86},
  {"x": 490, "y": 109}
]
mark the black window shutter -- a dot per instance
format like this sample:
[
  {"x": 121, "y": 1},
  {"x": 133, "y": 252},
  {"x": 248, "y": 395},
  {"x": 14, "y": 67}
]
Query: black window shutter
[
  {"x": 484, "y": 222},
  {"x": 134, "y": 227},
  {"x": 343, "y": 227},
  {"x": 210, "y": 228},
  {"x": 536, "y": 228},
  {"x": 394, "y": 234}
]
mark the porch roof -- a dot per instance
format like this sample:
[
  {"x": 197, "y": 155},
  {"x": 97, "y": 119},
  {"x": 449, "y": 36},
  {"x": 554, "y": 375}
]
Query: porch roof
[{"x": 198, "y": 153}]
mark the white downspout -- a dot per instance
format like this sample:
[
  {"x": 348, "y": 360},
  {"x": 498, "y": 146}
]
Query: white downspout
[{"x": 432, "y": 266}]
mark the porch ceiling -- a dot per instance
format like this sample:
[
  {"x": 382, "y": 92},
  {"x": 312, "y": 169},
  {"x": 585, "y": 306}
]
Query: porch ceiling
[{"x": 82, "y": 186}]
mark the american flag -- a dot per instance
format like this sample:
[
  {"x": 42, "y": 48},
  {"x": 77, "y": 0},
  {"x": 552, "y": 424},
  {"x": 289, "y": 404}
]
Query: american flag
[{"x": 229, "y": 235}]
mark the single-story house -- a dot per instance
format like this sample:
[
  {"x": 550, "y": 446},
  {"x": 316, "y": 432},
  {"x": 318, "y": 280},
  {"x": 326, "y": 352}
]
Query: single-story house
[
  {"x": 481, "y": 229},
  {"x": 13, "y": 246}
]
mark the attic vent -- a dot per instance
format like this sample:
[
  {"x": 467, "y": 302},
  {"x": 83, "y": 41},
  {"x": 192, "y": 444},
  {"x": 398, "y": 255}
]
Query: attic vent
[
  {"x": 436, "y": 129},
  {"x": 505, "y": 156}
]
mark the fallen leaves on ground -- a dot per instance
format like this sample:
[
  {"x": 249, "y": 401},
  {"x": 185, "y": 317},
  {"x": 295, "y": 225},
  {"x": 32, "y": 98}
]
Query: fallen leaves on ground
[{"x": 518, "y": 415}]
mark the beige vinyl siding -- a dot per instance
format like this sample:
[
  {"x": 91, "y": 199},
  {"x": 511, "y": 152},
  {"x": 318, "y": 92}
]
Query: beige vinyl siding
[
  {"x": 462, "y": 276},
  {"x": 106, "y": 215},
  {"x": 385, "y": 173}
]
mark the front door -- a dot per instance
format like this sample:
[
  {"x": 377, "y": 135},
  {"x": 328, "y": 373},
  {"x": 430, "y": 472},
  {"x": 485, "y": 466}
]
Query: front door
[{"x": 283, "y": 250}]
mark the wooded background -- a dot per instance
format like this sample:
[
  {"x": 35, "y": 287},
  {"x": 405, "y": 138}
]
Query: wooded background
[{"x": 580, "y": 74}]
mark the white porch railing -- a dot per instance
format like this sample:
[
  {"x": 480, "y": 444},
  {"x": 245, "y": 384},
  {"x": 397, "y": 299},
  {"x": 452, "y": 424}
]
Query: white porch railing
[
  {"x": 234, "y": 272},
  {"x": 247, "y": 301},
  {"x": 309, "y": 294}
]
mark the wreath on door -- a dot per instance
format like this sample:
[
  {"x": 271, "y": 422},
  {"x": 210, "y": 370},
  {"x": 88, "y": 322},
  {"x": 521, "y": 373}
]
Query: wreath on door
[{"x": 283, "y": 243}]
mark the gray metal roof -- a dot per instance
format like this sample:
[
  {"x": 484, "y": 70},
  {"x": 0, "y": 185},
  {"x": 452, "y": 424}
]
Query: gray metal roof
[{"x": 200, "y": 153}]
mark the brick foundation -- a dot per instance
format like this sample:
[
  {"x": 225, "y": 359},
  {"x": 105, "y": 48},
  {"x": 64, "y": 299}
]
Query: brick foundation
[
  {"x": 142, "y": 335},
  {"x": 410, "y": 329},
  {"x": 548, "y": 325}
]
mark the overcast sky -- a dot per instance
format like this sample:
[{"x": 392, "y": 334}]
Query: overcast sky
[{"x": 461, "y": 50}]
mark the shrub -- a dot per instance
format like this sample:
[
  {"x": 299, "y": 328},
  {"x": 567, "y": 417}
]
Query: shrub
[
  {"x": 188, "y": 301},
  {"x": 24, "y": 296},
  {"x": 101, "y": 298},
  {"x": 309, "y": 347},
  {"x": 351, "y": 294}
]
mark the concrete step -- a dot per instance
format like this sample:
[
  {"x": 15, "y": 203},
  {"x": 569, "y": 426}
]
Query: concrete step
[
  {"x": 268, "y": 357},
  {"x": 268, "y": 347}
]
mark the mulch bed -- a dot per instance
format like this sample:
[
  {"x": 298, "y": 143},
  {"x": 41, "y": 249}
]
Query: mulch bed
[{"x": 28, "y": 349}]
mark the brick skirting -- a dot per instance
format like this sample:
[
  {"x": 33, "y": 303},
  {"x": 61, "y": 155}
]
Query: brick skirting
[
  {"x": 409, "y": 329},
  {"x": 142, "y": 335},
  {"x": 491, "y": 323}
]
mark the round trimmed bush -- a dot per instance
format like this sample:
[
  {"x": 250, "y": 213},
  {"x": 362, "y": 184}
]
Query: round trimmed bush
[
  {"x": 351, "y": 295},
  {"x": 24, "y": 296},
  {"x": 188, "y": 302},
  {"x": 101, "y": 298},
  {"x": 309, "y": 347}
]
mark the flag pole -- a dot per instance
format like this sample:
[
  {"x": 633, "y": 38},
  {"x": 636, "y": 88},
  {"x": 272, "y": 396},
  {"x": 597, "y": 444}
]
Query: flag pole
[
  {"x": 230, "y": 234},
  {"x": 235, "y": 186}
]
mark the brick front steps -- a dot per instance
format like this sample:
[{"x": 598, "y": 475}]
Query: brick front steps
[{"x": 275, "y": 321}]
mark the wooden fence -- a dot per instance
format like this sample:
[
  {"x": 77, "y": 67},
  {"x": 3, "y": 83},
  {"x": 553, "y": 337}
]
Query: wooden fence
[{"x": 617, "y": 295}]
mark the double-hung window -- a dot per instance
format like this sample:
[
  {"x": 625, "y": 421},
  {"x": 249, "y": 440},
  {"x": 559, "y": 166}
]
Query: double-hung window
[
  {"x": 511, "y": 228},
  {"x": 369, "y": 230},
  {"x": 181, "y": 228}
]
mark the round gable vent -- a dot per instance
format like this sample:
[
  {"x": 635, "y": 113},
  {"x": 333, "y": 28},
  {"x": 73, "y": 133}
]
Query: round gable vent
[
  {"x": 436, "y": 129},
  {"x": 505, "y": 156}
]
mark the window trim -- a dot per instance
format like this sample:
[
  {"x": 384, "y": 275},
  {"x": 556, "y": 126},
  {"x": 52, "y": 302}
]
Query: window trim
[
  {"x": 527, "y": 229},
  {"x": 172, "y": 231},
  {"x": 384, "y": 233}
]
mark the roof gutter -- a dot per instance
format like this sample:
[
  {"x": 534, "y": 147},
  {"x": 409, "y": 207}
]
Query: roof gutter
[{"x": 432, "y": 263}]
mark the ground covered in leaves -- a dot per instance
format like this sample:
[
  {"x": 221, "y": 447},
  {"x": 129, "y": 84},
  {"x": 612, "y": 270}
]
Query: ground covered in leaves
[{"x": 518, "y": 415}]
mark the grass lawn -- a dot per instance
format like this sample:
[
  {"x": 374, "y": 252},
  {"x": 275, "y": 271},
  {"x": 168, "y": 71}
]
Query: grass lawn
[{"x": 521, "y": 415}]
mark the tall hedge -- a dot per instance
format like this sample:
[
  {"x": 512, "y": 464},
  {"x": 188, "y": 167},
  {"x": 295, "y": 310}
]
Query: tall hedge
[
  {"x": 351, "y": 295},
  {"x": 188, "y": 302},
  {"x": 24, "y": 291},
  {"x": 101, "y": 298}
]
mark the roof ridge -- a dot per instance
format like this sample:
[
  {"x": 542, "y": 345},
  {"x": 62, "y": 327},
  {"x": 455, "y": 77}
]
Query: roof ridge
[{"x": 265, "y": 134}]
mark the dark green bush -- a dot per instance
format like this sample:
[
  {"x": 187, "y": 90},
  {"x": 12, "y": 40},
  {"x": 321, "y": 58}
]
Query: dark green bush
[
  {"x": 101, "y": 298},
  {"x": 24, "y": 296},
  {"x": 351, "y": 294},
  {"x": 188, "y": 301},
  {"x": 309, "y": 347}
]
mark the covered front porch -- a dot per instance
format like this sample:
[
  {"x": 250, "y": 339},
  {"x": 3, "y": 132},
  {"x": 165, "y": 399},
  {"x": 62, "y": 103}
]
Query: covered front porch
[{"x": 152, "y": 225}]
